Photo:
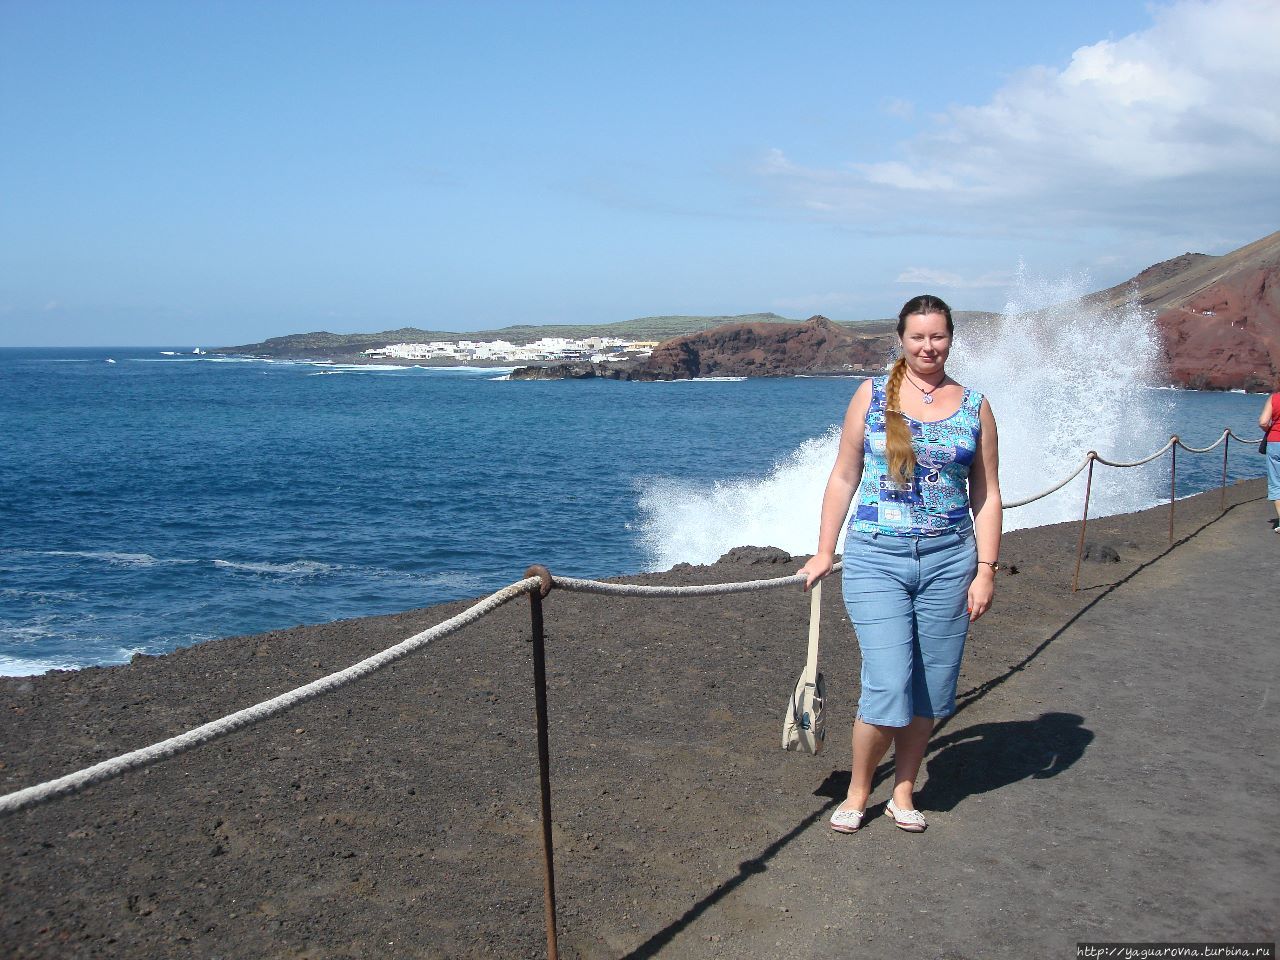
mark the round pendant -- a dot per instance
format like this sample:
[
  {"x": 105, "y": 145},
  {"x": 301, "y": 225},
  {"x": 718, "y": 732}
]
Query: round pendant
[{"x": 928, "y": 398}]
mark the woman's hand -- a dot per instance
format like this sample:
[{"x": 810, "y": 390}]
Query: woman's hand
[
  {"x": 819, "y": 566},
  {"x": 981, "y": 591}
]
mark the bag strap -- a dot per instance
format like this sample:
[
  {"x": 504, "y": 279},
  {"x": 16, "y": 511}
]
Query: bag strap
[{"x": 815, "y": 615}]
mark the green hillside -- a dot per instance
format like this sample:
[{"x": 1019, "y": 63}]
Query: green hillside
[
  {"x": 325, "y": 344},
  {"x": 642, "y": 328}
]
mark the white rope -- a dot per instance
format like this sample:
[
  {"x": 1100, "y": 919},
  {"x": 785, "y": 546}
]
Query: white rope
[
  {"x": 709, "y": 589},
  {"x": 1216, "y": 443},
  {"x": 1242, "y": 439},
  {"x": 1054, "y": 489},
  {"x": 137, "y": 759},
  {"x": 1135, "y": 463},
  {"x": 144, "y": 757},
  {"x": 1138, "y": 463}
]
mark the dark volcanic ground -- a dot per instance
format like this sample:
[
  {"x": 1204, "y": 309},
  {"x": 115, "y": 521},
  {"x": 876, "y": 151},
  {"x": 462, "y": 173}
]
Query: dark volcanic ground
[{"x": 399, "y": 816}]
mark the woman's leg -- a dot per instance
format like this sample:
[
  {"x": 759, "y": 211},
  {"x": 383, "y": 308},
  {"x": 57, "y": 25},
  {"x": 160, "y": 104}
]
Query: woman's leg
[
  {"x": 909, "y": 745},
  {"x": 878, "y": 599},
  {"x": 1273, "y": 479},
  {"x": 947, "y": 568},
  {"x": 870, "y": 743}
]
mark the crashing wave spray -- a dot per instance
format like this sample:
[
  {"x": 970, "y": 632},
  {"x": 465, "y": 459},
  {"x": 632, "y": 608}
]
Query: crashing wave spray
[
  {"x": 696, "y": 522},
  {"x": 1063, "y": 377}
]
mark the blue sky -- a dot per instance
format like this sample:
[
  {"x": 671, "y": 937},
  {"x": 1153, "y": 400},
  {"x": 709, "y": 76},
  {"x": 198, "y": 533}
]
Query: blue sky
[{"x": 219, "y": 172}]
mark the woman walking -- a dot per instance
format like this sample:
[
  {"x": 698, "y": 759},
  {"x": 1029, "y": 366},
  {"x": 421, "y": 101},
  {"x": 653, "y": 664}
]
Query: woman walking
[
  {"x": 917, "y": 455},
  {"x": 1269, "y": 421}
]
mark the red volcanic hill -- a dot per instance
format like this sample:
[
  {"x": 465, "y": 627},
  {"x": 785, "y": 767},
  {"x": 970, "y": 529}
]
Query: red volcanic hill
[
  {"x": 1219, "y": 317},
  {"x": 773, "y": 350}
]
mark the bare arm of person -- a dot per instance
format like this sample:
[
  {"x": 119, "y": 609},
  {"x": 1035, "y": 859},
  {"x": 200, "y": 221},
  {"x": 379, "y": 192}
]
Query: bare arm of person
[
  {"x": 844, "y": 479},
  {"x": 1266, "y": 417},
  {"x": 988, "y": 512}
]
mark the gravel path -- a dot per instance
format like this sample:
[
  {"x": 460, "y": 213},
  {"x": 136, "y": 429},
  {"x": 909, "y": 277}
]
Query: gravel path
[{"x": 1109, "y": 776}]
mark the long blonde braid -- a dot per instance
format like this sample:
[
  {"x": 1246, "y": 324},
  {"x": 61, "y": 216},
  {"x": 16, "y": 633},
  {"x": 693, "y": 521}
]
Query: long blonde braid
[{"x": 898, "y": 450}]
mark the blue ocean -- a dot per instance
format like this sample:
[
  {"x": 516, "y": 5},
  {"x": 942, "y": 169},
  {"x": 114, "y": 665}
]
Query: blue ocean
[{"x": 153, "y": 498}]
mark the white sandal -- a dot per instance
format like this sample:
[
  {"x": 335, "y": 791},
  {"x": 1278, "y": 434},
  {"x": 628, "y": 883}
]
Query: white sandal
[
  {"x": 846, "y": 821},
  {"x": 912, "y": 821}
]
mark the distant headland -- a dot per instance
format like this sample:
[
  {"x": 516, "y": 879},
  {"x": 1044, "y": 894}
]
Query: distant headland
[{"x": 1218, "y": 318}]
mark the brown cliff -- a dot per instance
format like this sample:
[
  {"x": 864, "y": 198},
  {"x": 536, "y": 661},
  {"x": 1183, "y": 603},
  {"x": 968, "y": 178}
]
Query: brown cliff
[
  {"x": 1218, "y": 317},
  {"x": 772, "y": 350}
]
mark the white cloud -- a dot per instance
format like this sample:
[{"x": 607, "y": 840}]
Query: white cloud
[
  {"x": 897, "y": 107},
  {"x": 1176, "y": 122},
  {"x": 927, "y": 277}
]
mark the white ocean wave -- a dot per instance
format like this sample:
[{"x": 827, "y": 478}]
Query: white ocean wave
[
  {"x": 28, "y": 633},
  {"x": 294, "y": 568},
  {"x": 357, "y": 367},
  {"x": 1093, "y": 366},
  {"x": 465, "y": 369},
  {"x": 40, "y": 596},
  {"x": 11, "y": 666},
  {"x": 113, "y": 557},
  {"x": 303, "y": 568},
  {"x": 18, "y": 666},
  {"x": 697, "y": 522}
]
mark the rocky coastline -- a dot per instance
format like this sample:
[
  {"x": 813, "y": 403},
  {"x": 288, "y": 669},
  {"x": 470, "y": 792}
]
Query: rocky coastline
[
  {"x": 815, "y": 347},
  {"x": 1218, "y": 318}
]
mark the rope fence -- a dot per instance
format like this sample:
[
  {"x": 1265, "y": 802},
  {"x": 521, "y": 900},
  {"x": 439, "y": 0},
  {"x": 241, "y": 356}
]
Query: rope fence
[
  {"x": 1092, "y": 457},
  {"x": 250, "y": 716},
  {"x": 537, "y": 584}
]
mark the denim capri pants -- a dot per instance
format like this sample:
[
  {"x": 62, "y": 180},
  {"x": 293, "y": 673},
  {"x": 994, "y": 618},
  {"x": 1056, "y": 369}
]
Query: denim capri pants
[
  {"x": 1273, "y": 469},
  {"x": 907, "y": 597}
]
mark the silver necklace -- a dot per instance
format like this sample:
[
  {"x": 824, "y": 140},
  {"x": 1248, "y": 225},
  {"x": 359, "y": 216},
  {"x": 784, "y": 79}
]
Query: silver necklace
[{"x": 928, "y": 394}]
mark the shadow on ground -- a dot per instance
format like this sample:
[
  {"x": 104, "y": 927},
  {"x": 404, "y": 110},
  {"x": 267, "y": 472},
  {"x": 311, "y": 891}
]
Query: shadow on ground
[{"x": 974, "y": 760}]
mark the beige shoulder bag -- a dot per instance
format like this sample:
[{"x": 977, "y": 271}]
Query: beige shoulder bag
[{"x": 804, "y": 726}]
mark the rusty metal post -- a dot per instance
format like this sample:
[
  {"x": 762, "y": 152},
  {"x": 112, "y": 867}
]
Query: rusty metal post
[
  {"x": 1084, "y": 522},
  {"x": 1226, "y": 444},
  {"x": 1173, "y": 483},
  {"x": 544, "y": 765}
]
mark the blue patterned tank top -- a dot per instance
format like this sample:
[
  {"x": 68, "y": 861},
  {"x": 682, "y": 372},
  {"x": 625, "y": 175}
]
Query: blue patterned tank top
[{"x": 937, "y": 498}]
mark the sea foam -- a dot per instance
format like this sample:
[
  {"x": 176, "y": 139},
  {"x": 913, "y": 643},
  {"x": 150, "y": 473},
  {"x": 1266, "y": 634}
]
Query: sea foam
[
  {"x": 1062, "y": 377},
  {"x": 22, "y": 667}
]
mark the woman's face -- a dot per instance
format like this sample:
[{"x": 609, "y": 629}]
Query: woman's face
[{"x": 926, "y": 343}]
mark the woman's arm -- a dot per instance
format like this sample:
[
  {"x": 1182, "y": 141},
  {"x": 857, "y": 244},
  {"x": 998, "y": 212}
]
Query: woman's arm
[
  {"x": 988, "y": 512},
  {"x": 844, "y": 479},
  {"x": 1264, "y": 420}
]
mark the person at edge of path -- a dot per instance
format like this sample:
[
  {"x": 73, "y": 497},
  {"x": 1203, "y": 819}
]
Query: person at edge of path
[
  {"x": 1269, "y": 420},
  {"x": 919, "y": 452}
]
